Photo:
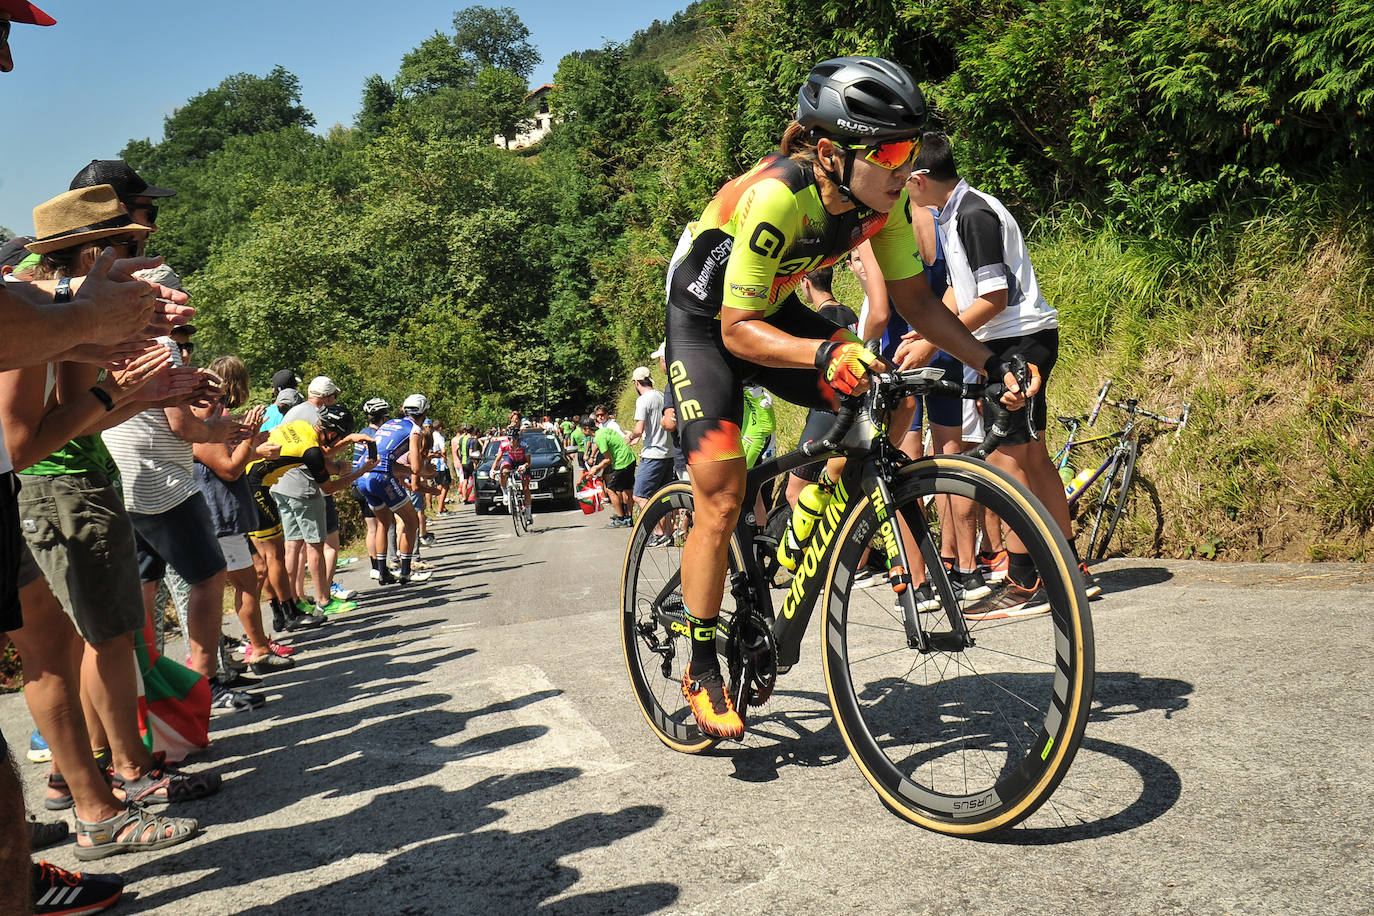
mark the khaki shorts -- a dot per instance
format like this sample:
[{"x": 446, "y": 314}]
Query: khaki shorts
[
  {"x": 302, "y": 519},
  {"x": 83, "y": 541}
]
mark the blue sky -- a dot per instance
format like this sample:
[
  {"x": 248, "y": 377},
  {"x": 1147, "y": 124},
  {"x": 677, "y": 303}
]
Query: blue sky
[{"x": 108, "y": 72}]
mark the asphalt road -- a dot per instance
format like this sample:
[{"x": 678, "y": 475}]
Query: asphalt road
[{"x": 471, "y": 746}]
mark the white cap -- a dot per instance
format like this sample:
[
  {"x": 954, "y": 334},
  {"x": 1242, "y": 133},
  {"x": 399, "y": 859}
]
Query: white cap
[
  {"x": 642, "y": 374},
  {"x": 662, "y": 349},
  {"x": 322, "y": 386}
]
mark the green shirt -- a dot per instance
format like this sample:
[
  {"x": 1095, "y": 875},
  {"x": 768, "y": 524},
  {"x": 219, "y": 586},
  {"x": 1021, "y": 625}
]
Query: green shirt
[
  {"x": 79, "y": 456},
  {"x": 613, "y": 443},
  {"x": 579, "y": 438}
]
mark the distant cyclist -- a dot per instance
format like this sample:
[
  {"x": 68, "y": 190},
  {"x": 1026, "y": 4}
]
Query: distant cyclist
[
  {"x": 512, "y": 456},
  {"x": 838, "y": 179}
]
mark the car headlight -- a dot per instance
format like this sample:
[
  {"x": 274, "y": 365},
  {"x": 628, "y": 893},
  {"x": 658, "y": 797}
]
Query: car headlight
[{"x": 483, "y": 475}]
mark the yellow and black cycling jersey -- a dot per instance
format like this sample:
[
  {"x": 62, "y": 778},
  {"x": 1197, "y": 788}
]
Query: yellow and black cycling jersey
[
  {"x": 768, "y": 228},
  {"x": 300, "y": 445}
]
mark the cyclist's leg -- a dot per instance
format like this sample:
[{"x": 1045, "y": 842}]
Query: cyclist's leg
[{"x": 706, "y": 380}]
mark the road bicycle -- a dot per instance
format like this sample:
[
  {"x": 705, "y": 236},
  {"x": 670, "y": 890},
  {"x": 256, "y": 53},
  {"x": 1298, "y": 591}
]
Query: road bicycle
[
  {"x": 1117, "y": 469},
  {"x": 965, "y": 717},
  {"x": 521, "y": 515}
]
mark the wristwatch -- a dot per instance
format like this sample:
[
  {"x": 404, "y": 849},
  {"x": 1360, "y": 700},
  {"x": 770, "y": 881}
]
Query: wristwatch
[{"x": 63, "y": 293}]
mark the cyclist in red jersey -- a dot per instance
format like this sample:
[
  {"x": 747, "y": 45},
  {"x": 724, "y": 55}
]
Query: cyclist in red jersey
[{"x": 837, "y": 180}]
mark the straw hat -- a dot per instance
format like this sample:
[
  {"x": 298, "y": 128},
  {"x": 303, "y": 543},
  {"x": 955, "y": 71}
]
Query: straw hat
[{"x": 80, "y": 217}]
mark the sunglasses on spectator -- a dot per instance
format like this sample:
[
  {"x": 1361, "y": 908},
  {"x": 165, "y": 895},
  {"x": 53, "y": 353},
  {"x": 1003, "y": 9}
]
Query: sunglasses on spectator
[
  {"x": 150, "y": 208},
  {"x": 186, "y": 346},
  {"x": 130, "y": 243},
  {"x": 891, "y": 155}
]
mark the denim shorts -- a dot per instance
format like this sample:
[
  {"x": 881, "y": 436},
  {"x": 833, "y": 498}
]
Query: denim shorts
[
  {"x": 183, "y": 538},
  {"x": 653, "y": 474}
]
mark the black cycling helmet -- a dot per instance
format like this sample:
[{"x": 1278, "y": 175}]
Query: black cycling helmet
[
  {"x": 336, "y": 419},
  {"x": 861, "y": 98}
]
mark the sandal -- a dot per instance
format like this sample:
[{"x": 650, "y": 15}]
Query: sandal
[
  {"x": 41, "y": 835},
  {"x": 63, "y": 800},
  {"x": 132, "y": 830},
  {"x": 162, "y": 785}
]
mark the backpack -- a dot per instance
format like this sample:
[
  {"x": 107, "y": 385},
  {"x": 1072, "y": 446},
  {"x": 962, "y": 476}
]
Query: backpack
[{"x": 474, "y": 448}]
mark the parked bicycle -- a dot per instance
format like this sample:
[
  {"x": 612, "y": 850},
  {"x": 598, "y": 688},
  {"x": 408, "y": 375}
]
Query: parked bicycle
[
  {"x": 1116, "y": 470},
  {"x": 965, "y": 717}
]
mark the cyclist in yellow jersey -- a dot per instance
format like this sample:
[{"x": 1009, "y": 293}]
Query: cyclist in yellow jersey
[{"x": 733, "y": 317}]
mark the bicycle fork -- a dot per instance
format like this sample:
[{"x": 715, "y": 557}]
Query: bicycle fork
[{"x": 899, "y": 566}]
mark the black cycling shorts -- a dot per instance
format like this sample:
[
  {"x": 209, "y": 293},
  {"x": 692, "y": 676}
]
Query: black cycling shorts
[
  {"x": 1042, "y": 350},
  {"x": 708, "y": 380}
]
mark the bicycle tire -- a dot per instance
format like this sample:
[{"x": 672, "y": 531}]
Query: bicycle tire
[
  {"x": 1112, "y": 502},
  {"x": 515, "y": 511},
  {"x": 649, "y": 598},
  {"x": 963, "y": 741}
]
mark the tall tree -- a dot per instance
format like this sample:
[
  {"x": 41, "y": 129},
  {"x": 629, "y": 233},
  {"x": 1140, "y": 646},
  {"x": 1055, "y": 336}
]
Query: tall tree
[
  {"x": 243, "y": 104},
  {"x": 495, "y": 38}
]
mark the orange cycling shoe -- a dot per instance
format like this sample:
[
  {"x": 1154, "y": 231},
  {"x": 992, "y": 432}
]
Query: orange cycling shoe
[{"x": 711, "y": 704}]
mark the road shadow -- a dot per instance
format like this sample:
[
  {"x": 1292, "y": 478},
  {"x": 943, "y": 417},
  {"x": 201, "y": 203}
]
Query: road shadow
[
  {"x": 1088, "y": 815},
  {"x": 1125, "y": 578},
  {"x": 1124, "y": 693},
  {"x": 792, "y": 737}
]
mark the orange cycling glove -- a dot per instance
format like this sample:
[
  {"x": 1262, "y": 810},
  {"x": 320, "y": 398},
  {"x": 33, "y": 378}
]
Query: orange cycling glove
[{"x": 844, "y": 364}]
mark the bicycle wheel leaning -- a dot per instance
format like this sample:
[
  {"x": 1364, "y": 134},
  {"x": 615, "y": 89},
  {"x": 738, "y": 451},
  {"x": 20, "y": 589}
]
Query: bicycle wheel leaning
[
  {"x": 653, "y": 625},
  {"x": 969, "y": 737},
  {"x": 1111, "y": 502}
]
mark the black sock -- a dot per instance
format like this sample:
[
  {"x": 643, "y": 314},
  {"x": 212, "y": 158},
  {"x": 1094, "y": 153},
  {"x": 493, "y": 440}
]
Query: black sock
[
  {"x": 1021, "y": 569},
  {"x": 405, "y": 566},
  {"x": 276, "y": 606},
  {"x": 703, "y": 644}
]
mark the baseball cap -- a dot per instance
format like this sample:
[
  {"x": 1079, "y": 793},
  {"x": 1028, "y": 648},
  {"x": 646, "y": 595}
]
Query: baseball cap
[
  {"x": 288, "y": 398},
  {"x": 322, "y": 386},
  {"x": 26, "y": 12},
  {"x": 662, "y": 349},
  {"x": 118, "y": 174},
  {"x": 642, "y": 374},
  {"x": 13, "y": 251},
  {"x": 285, "y": 379}
]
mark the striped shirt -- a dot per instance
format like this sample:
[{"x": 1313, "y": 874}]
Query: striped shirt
[{"x": 157, "y": 468}]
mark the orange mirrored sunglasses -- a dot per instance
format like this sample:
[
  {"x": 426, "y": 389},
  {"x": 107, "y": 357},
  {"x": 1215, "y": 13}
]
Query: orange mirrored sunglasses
[{"x": 891, "y": 155}]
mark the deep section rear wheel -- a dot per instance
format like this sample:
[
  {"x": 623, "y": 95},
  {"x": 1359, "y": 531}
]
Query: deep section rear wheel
[
  {"x": 971, "y": 735},
  {"x": 652, "y": 626}
]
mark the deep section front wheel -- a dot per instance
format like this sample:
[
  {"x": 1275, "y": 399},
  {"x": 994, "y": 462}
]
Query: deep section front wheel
[
  {"x": 972, "y": 733},
  {"x": 653, "y": 626}
]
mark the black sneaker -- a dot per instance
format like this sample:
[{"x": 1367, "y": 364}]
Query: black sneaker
[
  {"x": 926, "y": 599},
  {"x": 969, "y": 586},
  {"x": 58, "y": 892},
  {"x": 224, "y": 700}
]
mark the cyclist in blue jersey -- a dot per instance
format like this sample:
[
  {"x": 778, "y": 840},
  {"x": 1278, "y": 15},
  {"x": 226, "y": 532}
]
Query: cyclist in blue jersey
[{"x": 388, "y": 498}]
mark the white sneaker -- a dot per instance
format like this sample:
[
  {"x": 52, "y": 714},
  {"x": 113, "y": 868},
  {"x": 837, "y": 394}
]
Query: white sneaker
[
  {"x": 338, "y": 591},
  {"x": 373, "y": 573}
]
